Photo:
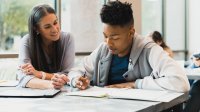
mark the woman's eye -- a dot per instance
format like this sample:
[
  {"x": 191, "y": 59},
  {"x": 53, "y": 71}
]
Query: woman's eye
[
  {"x": 55, "y": 23},
  {"x": 47, "y": 27}
]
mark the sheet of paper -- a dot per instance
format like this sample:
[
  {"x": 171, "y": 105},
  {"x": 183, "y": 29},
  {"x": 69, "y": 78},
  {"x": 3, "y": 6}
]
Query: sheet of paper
[
  {"x": 141, "y": 94},
  {"x": 90, "y": 92},
  {"x": 137, "y": 94},
  {"x": 93, "y": 92},
  {"x": 11, "y": 83}
]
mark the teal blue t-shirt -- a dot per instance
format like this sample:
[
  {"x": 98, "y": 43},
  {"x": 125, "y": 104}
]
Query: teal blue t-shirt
[{"x": 118, "y": 67}]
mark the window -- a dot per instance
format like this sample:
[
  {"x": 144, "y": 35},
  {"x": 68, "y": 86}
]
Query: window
[
  {"x": 13, "y": 22},
  {"x": 193, "y": 26},
  {"x": 175, "y": 27},
  {"x": 168, "y": 17},
  {"x": 81, "y": 18},
  {"x": 151, "y": 16}
]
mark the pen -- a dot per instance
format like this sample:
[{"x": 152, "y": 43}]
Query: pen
[{"x": 84, "y": 75}]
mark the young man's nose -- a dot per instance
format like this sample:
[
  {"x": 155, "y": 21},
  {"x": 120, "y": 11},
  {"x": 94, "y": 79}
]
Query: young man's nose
[{"x": 109, "y": 41}]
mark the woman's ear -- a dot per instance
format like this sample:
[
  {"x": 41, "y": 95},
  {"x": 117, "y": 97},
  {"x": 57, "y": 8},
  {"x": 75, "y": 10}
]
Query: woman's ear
[{"x": 36, "y": 30}]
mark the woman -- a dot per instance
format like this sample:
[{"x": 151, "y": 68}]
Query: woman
[
  {"x": 46, "y": 53},
  {"x": 157, "y": 38}
]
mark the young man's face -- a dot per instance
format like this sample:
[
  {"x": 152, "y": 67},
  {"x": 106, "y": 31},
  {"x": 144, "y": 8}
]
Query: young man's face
[{"x": 118, "y": 39}]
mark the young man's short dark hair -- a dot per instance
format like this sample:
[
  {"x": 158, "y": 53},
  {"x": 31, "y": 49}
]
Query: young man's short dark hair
[{"x": 117, "y": 13}]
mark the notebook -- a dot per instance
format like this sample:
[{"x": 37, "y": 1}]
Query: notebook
[
  {"x": 28, "y": 92},
  {"x": 125, "y": 93},
  {"x": 11, "y": 83}
]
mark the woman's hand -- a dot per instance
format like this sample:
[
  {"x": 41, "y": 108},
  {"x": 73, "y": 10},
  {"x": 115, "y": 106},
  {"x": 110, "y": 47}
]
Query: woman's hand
[
  {"x": 30, "y": 70},
  {"x": 59, "y": 80}
]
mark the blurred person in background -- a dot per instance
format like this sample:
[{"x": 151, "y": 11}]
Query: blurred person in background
[{"x": 158, "y": 39}]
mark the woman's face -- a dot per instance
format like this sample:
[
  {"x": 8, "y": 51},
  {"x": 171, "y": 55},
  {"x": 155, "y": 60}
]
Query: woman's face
[{"x": 49, "y": 28}]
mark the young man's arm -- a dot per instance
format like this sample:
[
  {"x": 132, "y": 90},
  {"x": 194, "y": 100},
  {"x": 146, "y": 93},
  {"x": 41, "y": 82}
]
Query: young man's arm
[
  {"x": 86, "y": 67},
  {"x": 168, "y": 74}
]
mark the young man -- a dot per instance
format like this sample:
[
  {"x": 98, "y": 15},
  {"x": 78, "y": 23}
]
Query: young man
[{"x": 127, "y": 60}]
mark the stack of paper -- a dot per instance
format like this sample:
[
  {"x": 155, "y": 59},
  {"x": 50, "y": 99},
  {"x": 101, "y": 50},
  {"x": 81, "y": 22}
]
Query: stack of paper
[
  {"x": 138, "y": 94},
  {"x": 11, "y": 83},
  {"x": 28, "y": 92}
]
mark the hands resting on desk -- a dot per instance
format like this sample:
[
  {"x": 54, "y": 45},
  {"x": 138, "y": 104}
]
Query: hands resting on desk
[
  {"x": 59, "y": 80},
  {"x": 79, "y": 82},
  {"x": 42, "y": 79},
  {"x": 122, "y": 85},
  {"x": 83, "y": 82}
]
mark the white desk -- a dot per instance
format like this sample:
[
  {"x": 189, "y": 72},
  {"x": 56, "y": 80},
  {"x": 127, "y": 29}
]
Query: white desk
[{"x": 63, "y": 103}]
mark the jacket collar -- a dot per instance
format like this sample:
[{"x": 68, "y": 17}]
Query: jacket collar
[{"x": 139, "y": 43}]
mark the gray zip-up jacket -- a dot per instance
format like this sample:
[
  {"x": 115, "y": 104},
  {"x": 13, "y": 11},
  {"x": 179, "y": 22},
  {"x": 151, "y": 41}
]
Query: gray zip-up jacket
[{"x": 149, "y": 66}]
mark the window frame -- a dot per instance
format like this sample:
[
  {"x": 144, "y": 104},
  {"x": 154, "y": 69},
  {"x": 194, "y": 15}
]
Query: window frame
[{"x": 57, "y": 6}]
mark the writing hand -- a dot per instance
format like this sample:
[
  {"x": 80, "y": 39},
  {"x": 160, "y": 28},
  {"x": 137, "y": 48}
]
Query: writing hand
[{"x": 82, "y": 82}]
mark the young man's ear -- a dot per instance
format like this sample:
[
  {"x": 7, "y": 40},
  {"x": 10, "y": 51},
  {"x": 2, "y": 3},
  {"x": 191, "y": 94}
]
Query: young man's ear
[{"x": 132, "y": 30}]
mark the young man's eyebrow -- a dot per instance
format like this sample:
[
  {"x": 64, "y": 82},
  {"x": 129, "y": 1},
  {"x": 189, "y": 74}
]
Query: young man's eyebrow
[{"x": 111, "y": 34}]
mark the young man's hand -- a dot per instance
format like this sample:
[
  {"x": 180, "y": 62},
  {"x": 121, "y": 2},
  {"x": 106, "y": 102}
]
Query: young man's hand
[
  {"x": 82, "y": 83},
  {"x": 122, "y": 85}
]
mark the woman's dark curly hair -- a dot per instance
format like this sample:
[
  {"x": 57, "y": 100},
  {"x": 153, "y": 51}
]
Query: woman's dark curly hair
[{"x": 117, "y": 13}]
